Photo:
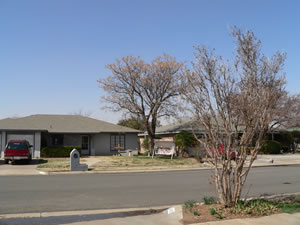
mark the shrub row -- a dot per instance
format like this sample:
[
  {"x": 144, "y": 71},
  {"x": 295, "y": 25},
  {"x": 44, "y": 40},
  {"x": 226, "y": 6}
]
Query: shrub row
[
  {"x": 63, "y": 151},
  {"x": 271, "y": 147}
]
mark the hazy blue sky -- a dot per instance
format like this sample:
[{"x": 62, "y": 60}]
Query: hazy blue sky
[{"x": 52, "y": 52}]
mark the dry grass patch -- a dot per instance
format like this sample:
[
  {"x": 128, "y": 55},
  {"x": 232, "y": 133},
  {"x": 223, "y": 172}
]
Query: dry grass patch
[
  {"x": 56, "y": 164},
  {"x": 143, "y": 162},
  {"x": 120, "y": 163}
]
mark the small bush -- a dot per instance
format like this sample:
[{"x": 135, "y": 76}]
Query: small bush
[
  {"x": 290, "y": 208},
  {"x": 271, "y": 147},
  {"x": 217, "y": 213},
  {"x": 220, "y": 215},
  {"x": 257, "y": 206},
  {"x": 145, "y": 144},
  {"x": 196, "y": 213},
  {"x": 248, "y": 211},
  {"x": 188, "y": 205},
  {"x": 212, "y": 211},
  {"x": 209, "y": 200},
  {"x": 63, "y": 151}
]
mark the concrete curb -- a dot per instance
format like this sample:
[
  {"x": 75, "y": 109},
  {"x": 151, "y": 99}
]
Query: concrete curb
[
  {"x": 146, "y": 171},
  {"x": 81, "y": 212},
  {"x": 125, "y": 171},
  {"x": 277, "y": 165},
  {"x": 268, "y": 197},
  {"x": 49, "y": 173}
]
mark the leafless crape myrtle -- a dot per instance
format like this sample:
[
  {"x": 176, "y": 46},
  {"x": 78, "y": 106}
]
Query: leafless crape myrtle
[{"x": 236, "y": 104}]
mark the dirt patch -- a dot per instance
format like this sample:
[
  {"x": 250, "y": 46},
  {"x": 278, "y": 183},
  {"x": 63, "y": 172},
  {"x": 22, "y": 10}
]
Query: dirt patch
[{"x": 204, "y": 215}]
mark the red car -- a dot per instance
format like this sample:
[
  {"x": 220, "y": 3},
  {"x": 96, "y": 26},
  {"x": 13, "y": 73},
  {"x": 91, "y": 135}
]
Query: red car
[
  {"x": 17, "y": 150},
  {"x": 233, "y": 154},
  {"x": 222, "y": 153}
]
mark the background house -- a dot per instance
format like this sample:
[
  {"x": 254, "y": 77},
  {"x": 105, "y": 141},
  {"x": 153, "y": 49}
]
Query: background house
[
  {"x": 168, "y": 132},
  {"x": 95, "y": 137},
  {"x": 286, "y": 137}
]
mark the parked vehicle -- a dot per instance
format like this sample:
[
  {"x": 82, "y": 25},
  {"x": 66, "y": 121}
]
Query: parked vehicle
[
  {"x": 18, "y": 150},
  {"x": 223, "y": 154}
]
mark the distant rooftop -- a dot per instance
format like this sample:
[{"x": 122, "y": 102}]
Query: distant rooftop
[
  {"x": 62, "y": 124},
  {"x": 191, "y": 125},
  {"x": 188, "y": 125}
]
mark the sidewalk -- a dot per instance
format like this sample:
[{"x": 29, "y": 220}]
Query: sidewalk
[
  {"x": 277, "y": 160},
  {"x": 171, "y": 216},
  {"x": 277, "y": 219},
  {"x": 167, "y": 217},
  {"x": 133, "y": 216}
]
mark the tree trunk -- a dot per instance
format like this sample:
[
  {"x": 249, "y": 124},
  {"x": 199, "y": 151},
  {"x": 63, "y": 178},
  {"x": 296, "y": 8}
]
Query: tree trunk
[
  {"x": 151, "y": 145},
  {"x": 151, "y": 133}
]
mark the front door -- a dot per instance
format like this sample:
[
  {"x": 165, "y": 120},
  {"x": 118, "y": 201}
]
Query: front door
[{"x": 85, "y": 145}]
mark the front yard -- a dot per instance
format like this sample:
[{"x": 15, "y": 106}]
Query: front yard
[
  {"x": 56, "y": 164},
  {"x": 122, "y": 163},
  {"x": 143, "y": 162}
]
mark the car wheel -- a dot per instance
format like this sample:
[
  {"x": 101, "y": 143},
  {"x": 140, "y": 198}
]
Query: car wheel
[
  {"x": 29, "y": 159},
  {"x": 6, "y": 161}
]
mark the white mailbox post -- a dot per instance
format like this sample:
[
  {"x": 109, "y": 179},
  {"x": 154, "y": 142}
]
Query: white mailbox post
[{"x": 75, "y": 162}]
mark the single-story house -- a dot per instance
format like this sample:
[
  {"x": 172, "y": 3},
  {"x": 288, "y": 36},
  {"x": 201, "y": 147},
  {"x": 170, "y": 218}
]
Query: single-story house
[
  {"x": 95, "y": 137},
  {"x": 168, "y": 132}
]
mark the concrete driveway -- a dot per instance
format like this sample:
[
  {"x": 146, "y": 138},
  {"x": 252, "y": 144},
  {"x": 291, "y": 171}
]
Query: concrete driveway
[{"x": 19, "y": 168}]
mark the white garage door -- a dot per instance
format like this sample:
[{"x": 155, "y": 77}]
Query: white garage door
[{"x": 27, "y": 137}]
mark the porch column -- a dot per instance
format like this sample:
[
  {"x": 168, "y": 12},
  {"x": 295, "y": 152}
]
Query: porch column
[
  {"x": 92, "y": 145},
  {"x": 3, "y": 143},
  {"x": 37, "y": 145}
]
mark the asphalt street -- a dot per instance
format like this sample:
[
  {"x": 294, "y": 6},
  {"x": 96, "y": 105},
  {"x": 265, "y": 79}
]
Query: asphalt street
[{"x": 23, "y": 194}]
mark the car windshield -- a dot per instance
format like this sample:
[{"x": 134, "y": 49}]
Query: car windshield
[{"x": 17, "y": 145}]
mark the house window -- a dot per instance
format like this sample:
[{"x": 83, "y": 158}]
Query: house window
[
  {"x": 58, "y": 140},
  {"x": 85, "y": 142},
  {"x": 116, "y": 141}
]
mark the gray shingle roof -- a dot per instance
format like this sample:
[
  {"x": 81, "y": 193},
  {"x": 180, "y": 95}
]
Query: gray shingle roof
[
  {"x": 184, "y": 125},
  {"x": 188, "y": 125},
  {"x": 62, "y": 124}
]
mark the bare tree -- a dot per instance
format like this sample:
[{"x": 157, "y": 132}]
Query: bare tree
[
  {"x": 132, "y": 122},
  {"x": 235, "y": 104},
  {"x": 80, "y": 112},
  {"x": 287, "y": 112},
  {"x": 294, "y": 112},
  {"x": 146, "y": 90}
]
